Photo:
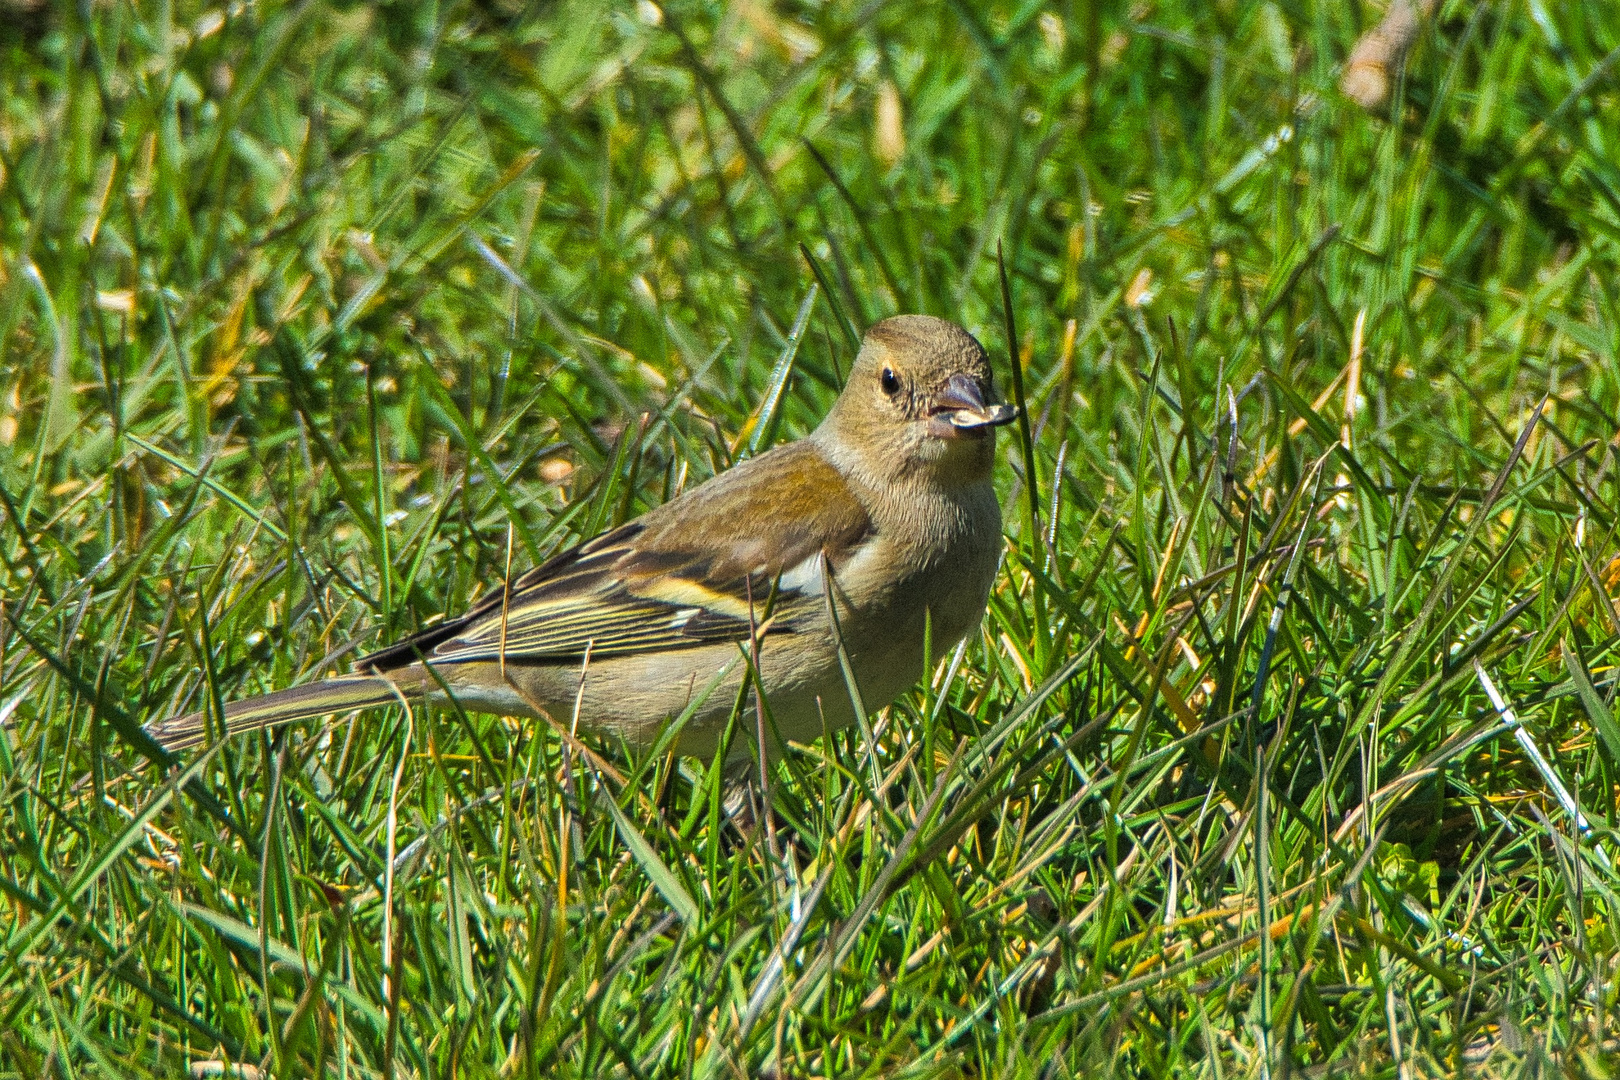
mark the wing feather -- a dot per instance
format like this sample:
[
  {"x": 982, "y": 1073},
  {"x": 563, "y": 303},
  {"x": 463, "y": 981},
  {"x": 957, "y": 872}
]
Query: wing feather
[{"x": 700, "y": 569}]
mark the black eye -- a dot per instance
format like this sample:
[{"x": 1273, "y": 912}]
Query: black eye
[{"x": 890, "y": 382}]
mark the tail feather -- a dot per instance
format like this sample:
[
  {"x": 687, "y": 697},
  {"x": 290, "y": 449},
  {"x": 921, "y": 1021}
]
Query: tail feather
[{"x": 281, "y": 707}]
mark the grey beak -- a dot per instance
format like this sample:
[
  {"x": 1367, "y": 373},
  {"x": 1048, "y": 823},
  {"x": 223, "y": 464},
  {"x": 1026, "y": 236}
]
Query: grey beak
[{"x": 963, "y": 404}]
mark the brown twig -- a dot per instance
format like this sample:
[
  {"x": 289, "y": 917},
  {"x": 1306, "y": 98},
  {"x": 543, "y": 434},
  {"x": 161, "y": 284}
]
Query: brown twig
[{"x": 1370, "y": 71}]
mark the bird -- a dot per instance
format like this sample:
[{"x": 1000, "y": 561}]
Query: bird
[{"x": 877, "y": 536}]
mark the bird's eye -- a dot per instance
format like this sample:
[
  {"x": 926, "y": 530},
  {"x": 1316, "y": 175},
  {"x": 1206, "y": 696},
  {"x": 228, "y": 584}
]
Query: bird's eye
[{"x": 890, "y": 382}]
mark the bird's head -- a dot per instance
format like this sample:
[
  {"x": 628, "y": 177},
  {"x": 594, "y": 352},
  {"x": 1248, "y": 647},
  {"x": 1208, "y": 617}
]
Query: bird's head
[{"x": 920, "y": 397}]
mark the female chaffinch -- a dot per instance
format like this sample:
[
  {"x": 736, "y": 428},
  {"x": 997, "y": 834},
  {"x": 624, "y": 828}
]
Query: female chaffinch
[{"x": 879, "y": 523}]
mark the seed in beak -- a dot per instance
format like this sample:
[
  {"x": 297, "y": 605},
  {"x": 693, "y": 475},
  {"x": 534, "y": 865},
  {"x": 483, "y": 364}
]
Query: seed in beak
[{"x": 961, "y": 403}]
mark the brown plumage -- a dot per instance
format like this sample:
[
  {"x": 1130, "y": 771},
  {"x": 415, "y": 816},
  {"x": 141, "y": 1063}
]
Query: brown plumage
[{"x": 889, "y": 502}]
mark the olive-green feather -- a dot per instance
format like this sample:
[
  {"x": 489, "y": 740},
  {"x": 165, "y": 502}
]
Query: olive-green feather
[
  {"x": 693, "y": 572},
  {"x": 282, "y": 707}
]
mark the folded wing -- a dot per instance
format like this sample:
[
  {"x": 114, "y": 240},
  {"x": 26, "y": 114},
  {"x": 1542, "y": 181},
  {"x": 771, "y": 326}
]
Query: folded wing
[{"x": 706, "y": 567}]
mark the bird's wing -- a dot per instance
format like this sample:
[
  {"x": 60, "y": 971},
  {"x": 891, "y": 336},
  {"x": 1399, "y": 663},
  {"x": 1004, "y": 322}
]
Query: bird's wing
[{"x": 703, "y": 568}]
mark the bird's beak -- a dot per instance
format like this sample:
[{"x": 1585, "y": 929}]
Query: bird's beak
[{"x": 960, "y": 408}]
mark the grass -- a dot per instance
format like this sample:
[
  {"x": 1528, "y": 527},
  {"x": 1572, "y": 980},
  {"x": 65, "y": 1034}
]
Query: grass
[{"x": 301, "y": 304}]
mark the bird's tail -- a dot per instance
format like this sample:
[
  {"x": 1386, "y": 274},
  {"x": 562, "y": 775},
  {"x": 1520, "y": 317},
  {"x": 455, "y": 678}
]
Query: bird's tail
[{"x": 282, "y": 707}]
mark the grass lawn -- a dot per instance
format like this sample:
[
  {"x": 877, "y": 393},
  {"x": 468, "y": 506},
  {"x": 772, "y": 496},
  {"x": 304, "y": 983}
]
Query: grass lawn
[{"x": 302, "y": 303}]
